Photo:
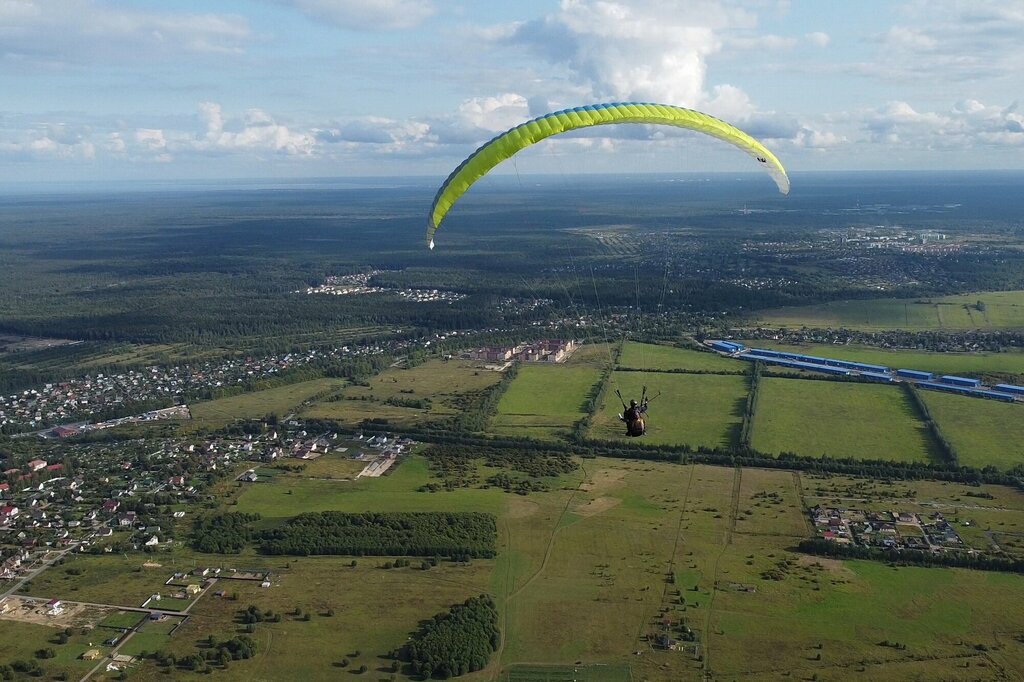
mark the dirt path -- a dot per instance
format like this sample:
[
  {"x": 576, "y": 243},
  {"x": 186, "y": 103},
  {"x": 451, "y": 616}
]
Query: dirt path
[{"x": 510, "y": 593}]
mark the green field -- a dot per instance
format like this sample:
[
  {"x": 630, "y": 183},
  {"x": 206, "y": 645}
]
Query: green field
[
  {"x": 693, "y": 409},
  {"x": 592, "y": 570},
  {"x": 649, "y": 356},
  {"x": 1002, "y": 310},
  {"x": 280, "y": 401},
  {"x": 544, "y": 401},
  {"x": 839, "y": 419},
  {"x": 285, "y": 497},
  {"x": 19, "y": 641},
  {"x": 445, "y": 385},
  {"x": 983, "y": 432},
  {"x": 971, "y": 364}
]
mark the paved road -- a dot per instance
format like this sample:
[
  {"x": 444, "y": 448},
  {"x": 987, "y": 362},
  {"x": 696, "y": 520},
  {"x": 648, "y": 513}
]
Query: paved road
[{"x": 49, "y": 561}]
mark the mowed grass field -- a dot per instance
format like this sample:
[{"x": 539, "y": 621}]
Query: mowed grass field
[
  {"x": 838, "y": 419},
  {"x": 970, "y": 364},
  {"x": 983, "y": 432},
  {"x": 654, "y": 357},
  {"x": 693, "y": 409},
  {"x": 1002, "y": 310},
  {"x": 545, "y": 400},
  {"x": 445, "y": 384}
]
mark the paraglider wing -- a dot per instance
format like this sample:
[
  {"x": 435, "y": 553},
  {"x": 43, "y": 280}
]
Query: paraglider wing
[{"x": 511, "y": 141}]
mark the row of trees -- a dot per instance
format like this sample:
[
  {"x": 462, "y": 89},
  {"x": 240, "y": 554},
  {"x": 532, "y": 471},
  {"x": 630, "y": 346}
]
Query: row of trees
[
  {"x": 458, "y": 642},
  {"x": 723, "y": 456},
  {"x": 750, "y": 408},
  {"x": 460, "y": 535},
  {"x": 596, "y": 397},
  {"x": 456, "y": 464},
  {"x": 912, "y": 557},
  {"x": 482, "y": 406},
  {"x": 946, "y": 449}
]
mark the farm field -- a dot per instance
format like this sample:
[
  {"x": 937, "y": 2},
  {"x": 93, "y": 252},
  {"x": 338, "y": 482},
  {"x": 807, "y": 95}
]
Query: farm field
[
  {"x": 653, "y": 357},
  {"x": 983, "y": 432},
  {"x": 590, "y": 571},
  {"x": 839, "y": 419},
  {"x": 20, "y": 641},
  {"x": 693, "y": 409},
  {"x": 1002, "y": 310},
  {"x": 280, "y": 401},
  {"x": 544, "y": 401},
  {"x": 971, "y": 364},
  {"x": 444, "y": 385}
]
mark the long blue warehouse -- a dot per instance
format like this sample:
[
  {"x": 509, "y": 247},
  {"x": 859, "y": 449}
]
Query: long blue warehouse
[
  {"x": 914, "y": 374},
  {"x": 960, "y": 381},
  {"x": 877, "y": 376},
  {"x": 1010, "y": 388}
]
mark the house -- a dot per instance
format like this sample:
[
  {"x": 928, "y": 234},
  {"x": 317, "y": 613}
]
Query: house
[
  {"x": 91, "y": 655},
  {"x": 110, "y": 506},
  {"x": 54, "y": 607},
  {"x": 249, "y": 476},
  {"x": 126, "y": 519},
  {"x": 153, "y": 541},
  {"x": 193, "y": 589},
  {"x": 177, "y": 480},
  {"x": 4, "y": 488},
  {"x": 8, "y": 513},
  {"x": 37, "y": 464}
]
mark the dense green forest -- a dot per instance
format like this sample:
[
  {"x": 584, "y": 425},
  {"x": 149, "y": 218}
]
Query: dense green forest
[
  {"x": 455, "y": 643},
  {"x": 459, "y": 535}
]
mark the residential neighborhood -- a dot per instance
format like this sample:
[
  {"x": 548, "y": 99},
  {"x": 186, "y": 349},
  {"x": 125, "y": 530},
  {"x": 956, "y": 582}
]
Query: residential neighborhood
[{"x": 888, "y": 529}]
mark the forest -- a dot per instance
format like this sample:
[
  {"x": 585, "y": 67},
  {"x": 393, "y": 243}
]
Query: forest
[
  {"x": 457, "y": 535},
  {"x": 455, "y": 643}
]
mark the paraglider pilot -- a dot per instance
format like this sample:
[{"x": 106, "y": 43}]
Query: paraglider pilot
[{"x": 633, "y": 414}]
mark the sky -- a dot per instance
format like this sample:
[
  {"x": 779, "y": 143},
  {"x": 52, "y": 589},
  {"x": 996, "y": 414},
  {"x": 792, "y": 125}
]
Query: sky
[{"x": 123, "y": 90}]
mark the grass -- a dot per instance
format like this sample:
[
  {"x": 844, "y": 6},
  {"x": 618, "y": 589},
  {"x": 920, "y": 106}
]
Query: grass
[
  {"x": 445, "y": 385},
  {"x": 122, "y": 619},
  {"x": 1002, "y": 310},
  {"x": 839, "y": 419},
  {"x": 280, "y": 400},
  {"x": 105, "y": 579},
  {"x": 285, "y": 497},
  {"x": 583, "y": 572},
  {"x": 983, "y": 432},
  {"x": 693, "y": 409},
  {"x": 544, "y": 401},
  {"x": 19, "y": 641},
  {"x": 649, "y": 356}
]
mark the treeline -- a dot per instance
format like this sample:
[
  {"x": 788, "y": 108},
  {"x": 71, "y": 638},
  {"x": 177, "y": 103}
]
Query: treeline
[
  {"x": 730, "y": 457},
  {"x": 946, "y": 449},
  {"x": 459, "y": 535},
  {"x": 912, "y": 557},
  {"x": 597, "y": 395},
  {"x": 750, "y": 409},
  {"x": 482, "y": 406},
  {"x": 455, "y": 643},
  {"x": 224, "y": 533}
]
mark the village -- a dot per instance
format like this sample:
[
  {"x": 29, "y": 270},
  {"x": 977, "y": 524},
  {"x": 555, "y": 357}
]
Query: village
[
  {"x": 359, "y": 285},
  {"x": 887, "y": 529},
  {"x": 115, "y": 499}
]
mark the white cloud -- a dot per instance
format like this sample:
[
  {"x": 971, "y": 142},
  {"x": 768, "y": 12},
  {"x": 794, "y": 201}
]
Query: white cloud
[
  {"x": 961, "y": 41},
  {"x": 73, "y": 32},
  {"x": 818, "y": 39},
  {"x": 967, "y": 125},
  {"x": 643, "y": 50},
  {"x": 366, "y": 14}
]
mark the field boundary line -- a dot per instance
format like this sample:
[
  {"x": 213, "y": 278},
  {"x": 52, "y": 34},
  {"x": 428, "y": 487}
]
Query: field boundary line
[{"x": 734, "y": 505}]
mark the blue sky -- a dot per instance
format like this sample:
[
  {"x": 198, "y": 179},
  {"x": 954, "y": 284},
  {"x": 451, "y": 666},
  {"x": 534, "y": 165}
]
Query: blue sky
[{"x": 148, "y": 89}]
